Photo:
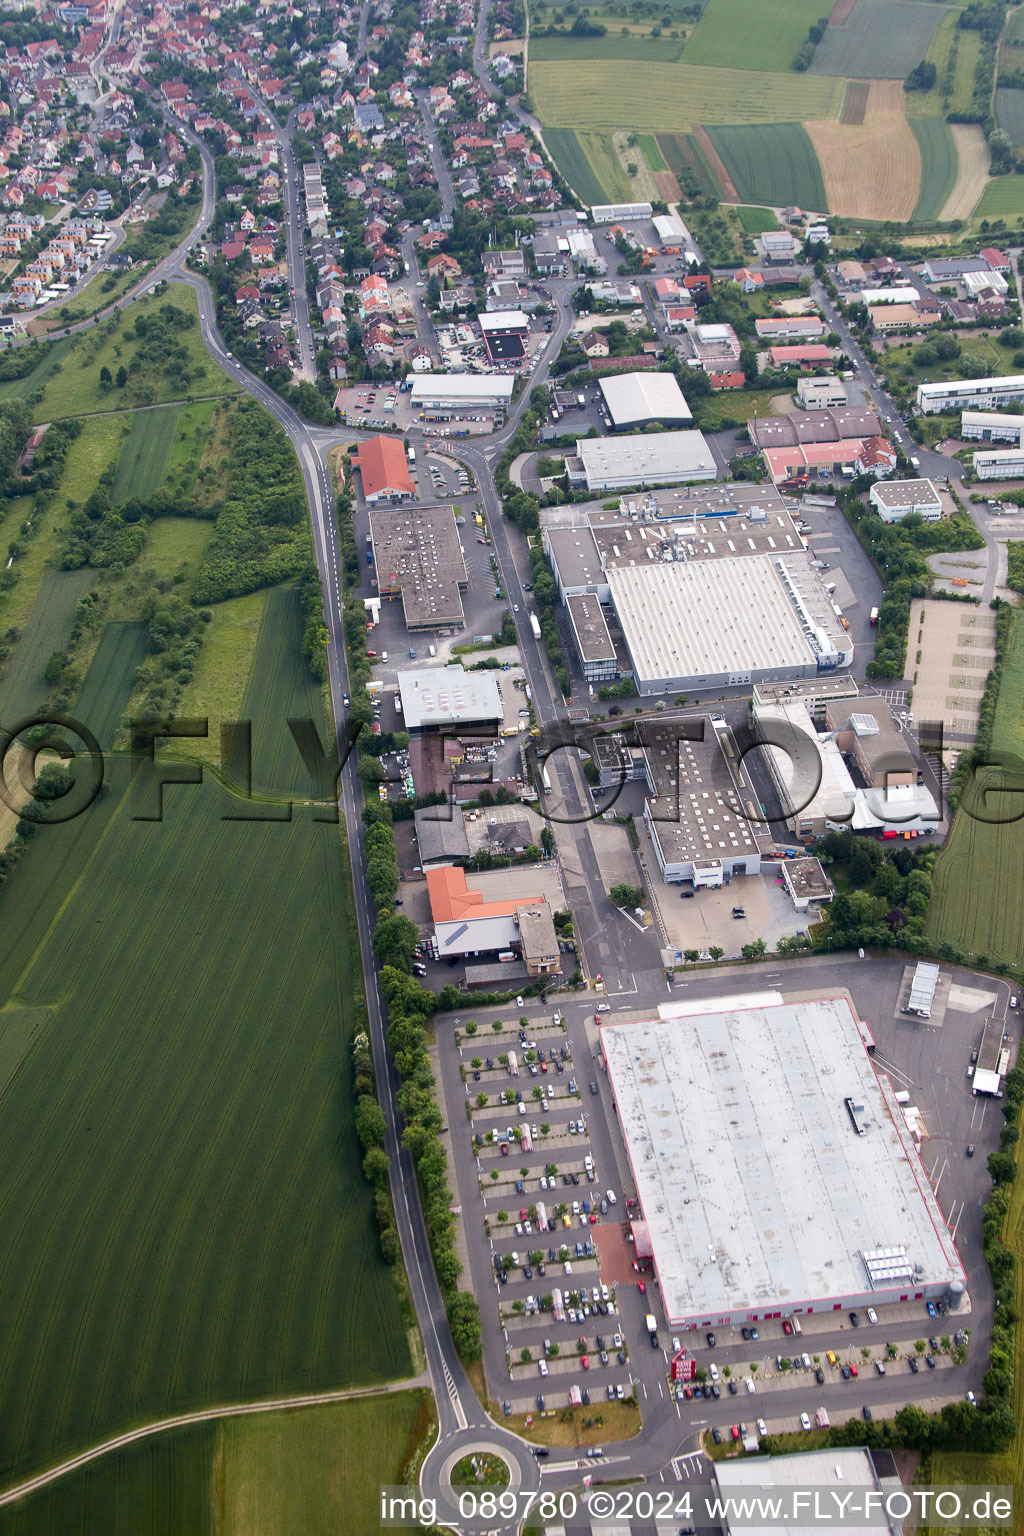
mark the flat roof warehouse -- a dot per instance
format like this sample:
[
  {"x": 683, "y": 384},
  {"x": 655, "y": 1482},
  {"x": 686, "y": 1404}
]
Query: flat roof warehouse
[{"x": 760, "y": 1197}]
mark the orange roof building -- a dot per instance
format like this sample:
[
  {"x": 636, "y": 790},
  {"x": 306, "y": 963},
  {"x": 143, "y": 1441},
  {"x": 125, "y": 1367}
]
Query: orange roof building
[
  {"x": 466, "y": 924},
  {"x": 383, "y": 469}
]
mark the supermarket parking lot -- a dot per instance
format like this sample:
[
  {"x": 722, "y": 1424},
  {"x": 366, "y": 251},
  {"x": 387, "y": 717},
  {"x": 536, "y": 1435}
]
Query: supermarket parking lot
[{"x": 931, "y": 1062}]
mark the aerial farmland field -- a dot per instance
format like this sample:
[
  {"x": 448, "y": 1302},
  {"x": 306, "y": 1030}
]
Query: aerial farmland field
[
  {"x": 743, "y": 34},
  {"x": 664, "y": 98},
  {"x": 183, "y": 1219},
  {"x": 1003, "y": 198},
  {"x": 774, "y": 164},
  {"x": 569, "y": 150},
  {"x": 584, "y": 50},
  {"x": 24, "y": 688},
  {"x": 146, "y": 451},
  {"x": 1010, "y": 114},
  {"x": 938, "y": 165},
  {"x": 309, "y": 1470},
  {"x": 880, "y": 40},
  {"x": 871, "y": 169}
]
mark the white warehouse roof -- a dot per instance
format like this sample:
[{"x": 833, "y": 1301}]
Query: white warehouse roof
[
  {"x": 465, "y": 386},
  {"x": 646, "y": 460},
  {"x": 634, "y": 398},
  {"x": 448, "y": 695},
  {"x": 668, "y": 227},
  {"x": 758, "y": 1192},
  {"x": 700, "y": 618},
  {"x": 504, "y": 320}
]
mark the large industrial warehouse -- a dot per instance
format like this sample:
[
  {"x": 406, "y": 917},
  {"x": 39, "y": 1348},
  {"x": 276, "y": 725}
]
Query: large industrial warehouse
[
  {"x": 725, "y": 622},
  {"x": 638, "y": 399},
  {"x": 711, "y": 584},
  {"x": 775, "y": 1173},
  {"x": 657, "y": 458}
]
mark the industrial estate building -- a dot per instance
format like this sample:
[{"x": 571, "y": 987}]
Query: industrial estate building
[
  {"x": 418, "y": 555},
  {"x": 383, "y": 470},
  {"x": 979, "y": 394},
  {"x": 711, "y": 586},
  {"x": 991, "y": 427},
  {"x": 466, "y": 924},
  {"x": 853, "y": 1472},
  {"x": 894, "y": 500},
  {"x": 698, "y": 833},
  {"x": 442, "y": 696},
  {"x": 775, "y": 1171},
  {"x": 462, "y": 391},
  {"x": 657, "y": 458},
  {"x": 638, "y": 399},
  {"x": 505, "y": 335},
  {"x": 594, "y": 644},
  {"x": 998, "y": 463},
  {"x": 816, "y": 789}
]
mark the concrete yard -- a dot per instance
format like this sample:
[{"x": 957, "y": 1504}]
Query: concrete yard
[{"x": 950, "y": 650}]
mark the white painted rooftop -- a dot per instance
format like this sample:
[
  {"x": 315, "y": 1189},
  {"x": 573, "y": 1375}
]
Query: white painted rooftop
[{"x": 756, "y": 1188}]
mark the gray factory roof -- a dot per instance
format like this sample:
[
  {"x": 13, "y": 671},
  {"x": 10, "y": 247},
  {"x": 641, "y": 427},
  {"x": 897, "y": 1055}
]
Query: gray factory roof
[
  {"x": 576, "y": 556},
  {"x": 806, "y": 878},
  {"x": 588, "y": 622},
  {"x": 701, "y": 618},
  {"x": 418, "y": 552},
  {"x": 655, "y": 455},
  {"x": 441, "y": 834},
  {"x": 843, "y": 1468},
  {"x": 755, "y": 1186},
  {"x": 448, "y": 695},
  {"x": 637, "y": 397},
  {"x": 633, "y": 536},
  {"x": 691, "y": 797},
  {"x": 895, "y": 494}
]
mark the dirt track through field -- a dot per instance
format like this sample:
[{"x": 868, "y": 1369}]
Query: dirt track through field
[
  {"x": 872, "y": 170},
  {"x": 971, "y": 171},
  {"x": 856, "y": 104},
  {"x": 668, "y": 186},
  {"x": 840, "y": 12},
  {"x": 717, "y": 164}
]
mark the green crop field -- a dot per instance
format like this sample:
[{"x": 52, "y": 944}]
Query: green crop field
[
  {"x": 756, "y": 220},
  {"x": 24, "y": 688},
  {"x": 652, "y": 154},
  {"x": 1010, "y": 114},
  {"x": 745, "y": 34},
  {"x": 880, "y": 40},
  {"x": 317, "y": 1469},
  {"x": 104, "y": 695},
  {"x": 306, "y": 1470},
  {"x": 146, "y": 451},
  {"x": 978, "y": 900},
  {"x": 158, "y": 1487},
  {"x": 967, "y": 45},
  {"x": 584, "y": 50},
  {"x": 683, "y": 153},
  {"x": 1003, "y": 198},
  {"x": 183, "y": 1218},
  {"x": 1015, "y": 26},
  {"x": 20, "y": 389},
  {"x": 173, "y": 543},
  {"x": 76, "y": 388},
  {"x": 773, "y": 164},
  {"x": 938, "y": 165},
  {"x": 589, "y": 163},
  {"x": 664, "y": 98}
]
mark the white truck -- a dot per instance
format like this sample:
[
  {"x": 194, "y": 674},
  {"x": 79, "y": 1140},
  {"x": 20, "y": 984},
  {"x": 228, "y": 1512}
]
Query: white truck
[
  {"x": 542, "y": 1216},
  {"x": 821, "y": 1418},
  {"x": 513, "y": 1064},
  {"x": 535, "y": 626},
  {"x": 558, "y": 1305},
  {"x": 652, "y": 1326}
]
